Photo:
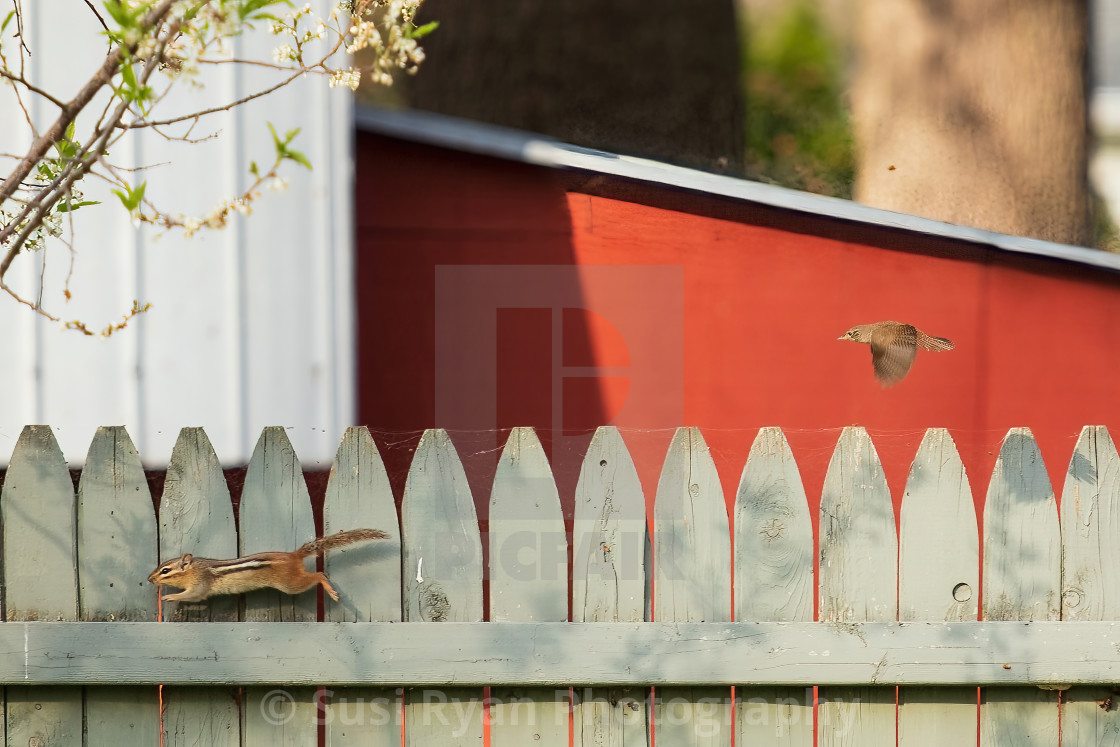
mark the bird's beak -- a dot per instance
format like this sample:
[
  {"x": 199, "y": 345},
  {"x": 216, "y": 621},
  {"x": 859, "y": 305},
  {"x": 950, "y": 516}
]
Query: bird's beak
[{"x": 842, "y": 337}]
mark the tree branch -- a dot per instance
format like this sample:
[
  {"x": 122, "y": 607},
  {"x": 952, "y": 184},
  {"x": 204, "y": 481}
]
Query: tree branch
[
  {"x": 48, "y": 197},
  {"x": 69, "y": 111},
  {"x": 30, "y": 87}
]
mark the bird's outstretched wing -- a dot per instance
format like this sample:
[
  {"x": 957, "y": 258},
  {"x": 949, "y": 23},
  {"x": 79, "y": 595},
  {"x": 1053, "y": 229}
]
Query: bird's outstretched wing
[{"x": 893, "y": 351}]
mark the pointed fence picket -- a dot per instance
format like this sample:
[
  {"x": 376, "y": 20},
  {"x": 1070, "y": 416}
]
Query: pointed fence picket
[
  {"x": 40, "y": 578},
  {"x": 773, "y": 583},
  {"x": 276, "y": 512},
  {"x": 366, "y": 577},
  {"x": 692, "y": 583},
  {"x": 117, "y": 539},
  {"x": 1022, "y": 581},
  {"x": 610, "y": 582},
  {"x": 443, "y": 583},
  {"x": 196, "y": 516},
  {"x": 858, "y": 583},
  {"x": 1090, "y": 524},
  {"x": 80, "y": 558},
  {"x": 528, "y": 583},
  {"x": 938, "y": 581}
]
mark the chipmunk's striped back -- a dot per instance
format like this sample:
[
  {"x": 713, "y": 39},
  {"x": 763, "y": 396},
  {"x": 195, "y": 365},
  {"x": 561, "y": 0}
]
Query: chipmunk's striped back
[{"x": 202, "y": 578}]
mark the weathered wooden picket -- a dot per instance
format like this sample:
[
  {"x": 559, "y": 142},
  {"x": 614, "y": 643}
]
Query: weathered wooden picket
[{"x": 898, "y": 650}]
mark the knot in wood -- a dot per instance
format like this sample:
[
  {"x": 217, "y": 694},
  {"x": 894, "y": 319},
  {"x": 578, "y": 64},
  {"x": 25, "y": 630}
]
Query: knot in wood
[
  {"x": 772, "y": 529},
  {"x": 434, "y": 604}
]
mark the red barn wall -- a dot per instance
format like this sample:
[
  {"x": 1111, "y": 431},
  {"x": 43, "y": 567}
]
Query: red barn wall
[{"x": 493, "y": 294}]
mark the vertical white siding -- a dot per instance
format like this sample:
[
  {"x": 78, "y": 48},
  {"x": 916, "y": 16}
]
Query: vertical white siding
[{"x": 250, "y": 326}]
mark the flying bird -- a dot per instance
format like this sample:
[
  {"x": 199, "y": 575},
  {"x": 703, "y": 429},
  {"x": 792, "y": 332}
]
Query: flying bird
[{"x": 893, "y": 347}]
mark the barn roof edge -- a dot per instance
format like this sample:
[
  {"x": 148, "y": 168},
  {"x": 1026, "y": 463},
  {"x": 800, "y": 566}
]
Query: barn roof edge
[{"x": 518, "y": 145}]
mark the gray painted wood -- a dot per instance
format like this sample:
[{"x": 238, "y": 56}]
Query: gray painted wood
[
  {"x": 1022, "y": 581},
  {"x": 938, "y": 579},
  {"x": 858, "y": 583},
  {"x": 773, "y": 536},
  {"x": 1090, "y": 523},
  {"x": 1022, "y": 538},
  {"x": 117, "y": 548},
  {"x": 117, "y": 542},
  {"x": 692, "y": 562},
  {"x": 528, "y": 544},
  {"x": 276, "y": 516},
  {"x": 358, "y": 495},
  {"x": 773, "y": 582},
  {"x": 528, "y": 583},
  {"x": 610, "y": 582},
  {"x": 560, "y": 654},
  {"x": 692, "y": 538},
  {"x": 37, "y": 512},
  {"x": 442, "y": 552},
  {"x": 368, "y": 579},
  {"x": 196, "y": 516}
]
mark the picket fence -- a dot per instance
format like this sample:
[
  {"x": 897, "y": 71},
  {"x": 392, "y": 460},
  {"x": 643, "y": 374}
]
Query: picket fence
[{"x": 897, "y": 652}]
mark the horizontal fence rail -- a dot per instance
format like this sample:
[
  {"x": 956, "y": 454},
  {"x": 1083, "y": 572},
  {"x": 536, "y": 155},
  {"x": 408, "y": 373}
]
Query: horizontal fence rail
[
  {"x": 1053, "y": 655},
  {"x": 747, "y": 627}
]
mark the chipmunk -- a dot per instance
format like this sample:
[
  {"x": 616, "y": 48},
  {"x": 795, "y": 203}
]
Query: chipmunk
[{"x": 202, "y": 578}]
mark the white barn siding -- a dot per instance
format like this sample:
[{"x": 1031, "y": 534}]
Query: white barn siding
[{"x": 250, "y": 326}]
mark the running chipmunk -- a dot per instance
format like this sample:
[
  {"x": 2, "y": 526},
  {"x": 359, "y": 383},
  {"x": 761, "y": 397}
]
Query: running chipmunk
[{"x": 202, "y": 578}]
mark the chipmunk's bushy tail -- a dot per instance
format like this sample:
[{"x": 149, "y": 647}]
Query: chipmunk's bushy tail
[{"x": 321, "y": 545}]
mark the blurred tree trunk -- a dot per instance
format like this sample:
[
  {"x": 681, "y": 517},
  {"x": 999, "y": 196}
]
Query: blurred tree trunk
[
  {"x": 657, "y": 78},
  {"x": 974, "y": 112}
]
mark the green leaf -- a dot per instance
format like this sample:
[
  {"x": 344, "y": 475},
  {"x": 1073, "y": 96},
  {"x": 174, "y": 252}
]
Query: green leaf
[
  {"x": 7, "y": 19},
  {"x": 131, "y": 198},
  {"x": 253, "y": 169},
  {"x": 128, "y": 75},
  {"x": 252, "y": 8},
  {"x": 68, "y": 206},
  {"x": 190, "y": 13},
  {"x": 422, "y": 31},
  {"x": 295, "y": 155},
  {"x": 117, "y": 11},
  {"x": 283, "y": 152}
]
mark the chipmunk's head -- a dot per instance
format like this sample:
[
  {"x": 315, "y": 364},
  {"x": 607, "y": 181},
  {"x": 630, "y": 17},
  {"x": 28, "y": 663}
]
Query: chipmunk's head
[{"x": 167, "y": 573}]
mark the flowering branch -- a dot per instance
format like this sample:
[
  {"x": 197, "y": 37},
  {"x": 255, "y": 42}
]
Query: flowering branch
[{"x": 154, "y": 45}]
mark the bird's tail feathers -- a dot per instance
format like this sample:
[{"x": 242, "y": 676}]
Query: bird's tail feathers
[{"x": 934, "y": 343}]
